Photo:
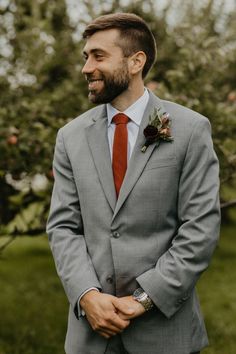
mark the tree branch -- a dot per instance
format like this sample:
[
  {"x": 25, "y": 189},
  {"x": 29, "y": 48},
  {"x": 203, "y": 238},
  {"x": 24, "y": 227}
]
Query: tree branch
[
  {"x": 11, "y": 239},
  {"x": 228, "y": 204}
]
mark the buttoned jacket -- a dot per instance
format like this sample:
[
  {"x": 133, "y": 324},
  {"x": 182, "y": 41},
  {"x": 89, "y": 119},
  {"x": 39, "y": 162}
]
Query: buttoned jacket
[{"x": 159, "y": 234}]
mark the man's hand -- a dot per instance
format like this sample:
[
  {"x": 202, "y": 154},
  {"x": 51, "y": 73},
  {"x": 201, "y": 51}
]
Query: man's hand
[
  {"x": 129, "y": 302},
  {"x": 102, "y": 313}
]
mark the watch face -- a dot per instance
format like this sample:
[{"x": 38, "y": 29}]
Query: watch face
[
  {"x": 140, "y": 296},
  {"x": 138, "y": 293}
]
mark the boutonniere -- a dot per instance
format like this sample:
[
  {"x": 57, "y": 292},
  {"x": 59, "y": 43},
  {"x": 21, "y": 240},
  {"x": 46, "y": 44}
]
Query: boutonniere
[{"x": 157, "y": 129}]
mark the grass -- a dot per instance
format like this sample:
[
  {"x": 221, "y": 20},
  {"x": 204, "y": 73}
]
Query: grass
[
  {"x": 217, "y": 290},
  {"x": 33, "y": 306}
]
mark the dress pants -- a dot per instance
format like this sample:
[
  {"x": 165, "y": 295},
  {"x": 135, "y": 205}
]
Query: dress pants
[{"x": 115, "y": 346}]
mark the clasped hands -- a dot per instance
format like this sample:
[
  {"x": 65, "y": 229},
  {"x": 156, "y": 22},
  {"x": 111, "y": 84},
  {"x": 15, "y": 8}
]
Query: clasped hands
[{"x": 109, "y": 315}]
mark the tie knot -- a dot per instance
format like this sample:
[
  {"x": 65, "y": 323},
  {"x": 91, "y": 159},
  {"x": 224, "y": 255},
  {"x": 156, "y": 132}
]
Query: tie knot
[{"x": 120, "y": 118}]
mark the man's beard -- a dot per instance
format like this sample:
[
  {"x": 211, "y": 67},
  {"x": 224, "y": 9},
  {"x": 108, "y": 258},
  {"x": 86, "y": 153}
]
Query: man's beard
[{"x": 114, "y": 85}]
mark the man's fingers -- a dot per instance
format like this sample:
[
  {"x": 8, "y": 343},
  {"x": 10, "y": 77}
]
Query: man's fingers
[
  {"x": 116, "y": 321},
  {"x": 112, "y": 324},
  {"x": 102, "y": 314},
  {"x": 110, "y": 328},
  {"x": 123, "y": 307},
  {"x": 106, "y": 334},
  {"x": 124, "y": 317}
]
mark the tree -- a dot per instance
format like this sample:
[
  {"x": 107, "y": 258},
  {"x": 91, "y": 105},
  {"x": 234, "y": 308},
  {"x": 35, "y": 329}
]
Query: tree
[
  {"x": 41, "y": 91},
  {"x": 42, "y": 88}
]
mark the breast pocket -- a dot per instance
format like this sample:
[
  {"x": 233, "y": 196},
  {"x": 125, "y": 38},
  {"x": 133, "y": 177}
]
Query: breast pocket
[{"x": 161, "y": 162}]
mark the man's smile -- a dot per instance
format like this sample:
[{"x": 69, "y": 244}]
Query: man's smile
[{"x": 94, "y": 83}]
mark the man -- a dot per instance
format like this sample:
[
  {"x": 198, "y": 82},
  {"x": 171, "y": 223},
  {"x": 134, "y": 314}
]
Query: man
[{"x": 134, "y": 214}]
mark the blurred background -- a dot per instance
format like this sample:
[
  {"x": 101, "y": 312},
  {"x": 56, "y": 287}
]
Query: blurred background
[{"x": 41, "y": 89}]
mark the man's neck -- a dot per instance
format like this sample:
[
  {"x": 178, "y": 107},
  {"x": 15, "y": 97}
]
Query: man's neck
[{"x": 128, "y": 97}]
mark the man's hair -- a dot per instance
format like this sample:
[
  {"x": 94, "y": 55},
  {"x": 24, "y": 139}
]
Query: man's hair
[{"x": 135, "y": 35}]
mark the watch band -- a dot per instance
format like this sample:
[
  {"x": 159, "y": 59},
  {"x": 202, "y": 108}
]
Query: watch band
[{"x": 142, "y": 297}]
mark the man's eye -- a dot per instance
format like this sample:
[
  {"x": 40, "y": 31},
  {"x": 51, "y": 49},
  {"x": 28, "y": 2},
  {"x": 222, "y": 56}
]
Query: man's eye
[{"x": 99, "y": 56}]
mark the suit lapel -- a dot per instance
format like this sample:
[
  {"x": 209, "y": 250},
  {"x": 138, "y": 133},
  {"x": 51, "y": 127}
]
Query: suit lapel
[
  {"x": 138, "y": 159},
  {"x": 98, "y": 144}
]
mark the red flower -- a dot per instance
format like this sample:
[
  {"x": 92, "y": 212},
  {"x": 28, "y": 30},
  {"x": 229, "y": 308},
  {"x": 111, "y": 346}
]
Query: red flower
[
  {"x": 157, "y": 129},
  {"x": 150, "y": 132}
]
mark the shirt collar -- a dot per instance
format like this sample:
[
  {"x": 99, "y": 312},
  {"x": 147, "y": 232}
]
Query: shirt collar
[{"x": 134, "y": 112}]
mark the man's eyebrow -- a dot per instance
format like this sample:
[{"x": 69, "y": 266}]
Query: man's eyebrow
[{"x": 94, "y": 50}]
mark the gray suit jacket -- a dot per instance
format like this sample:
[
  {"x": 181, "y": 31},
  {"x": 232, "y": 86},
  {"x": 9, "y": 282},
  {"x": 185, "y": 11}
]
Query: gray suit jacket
[{"x": 159, "y": 234}]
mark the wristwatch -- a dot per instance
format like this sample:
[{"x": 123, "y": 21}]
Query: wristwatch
[{"x": 142, "y": 297}]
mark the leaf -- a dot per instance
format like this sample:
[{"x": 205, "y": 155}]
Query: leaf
[{"x": 27, "y": 219}]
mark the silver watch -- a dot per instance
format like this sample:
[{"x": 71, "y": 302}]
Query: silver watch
[{"x": 142, "y": 297}]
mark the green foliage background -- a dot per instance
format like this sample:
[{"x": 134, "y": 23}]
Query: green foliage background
[{"x": 41, "y": 88}]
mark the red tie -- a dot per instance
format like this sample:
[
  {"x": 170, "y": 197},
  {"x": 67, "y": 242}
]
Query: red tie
[{"x": 120, "y": 143}]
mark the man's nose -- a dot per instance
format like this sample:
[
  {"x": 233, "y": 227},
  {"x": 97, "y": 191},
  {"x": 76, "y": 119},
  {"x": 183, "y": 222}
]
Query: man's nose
[{"x": 88, "y": 67}]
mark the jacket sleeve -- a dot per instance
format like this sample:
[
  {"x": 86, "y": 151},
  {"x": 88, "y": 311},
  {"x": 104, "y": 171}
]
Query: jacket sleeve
[
  {"x": 65, "y": 231},
  {"x": 171, "y": 282}
]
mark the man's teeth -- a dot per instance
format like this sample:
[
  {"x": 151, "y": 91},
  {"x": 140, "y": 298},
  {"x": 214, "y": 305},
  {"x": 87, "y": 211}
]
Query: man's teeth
[
  {"x": 94, "y": 80},
  {"x": 93, "y": 84}
]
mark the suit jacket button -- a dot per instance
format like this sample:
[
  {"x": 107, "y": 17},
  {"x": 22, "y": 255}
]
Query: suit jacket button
[
  {"x": 116, "y": 234},
  {"x": 109, "y": 279}
]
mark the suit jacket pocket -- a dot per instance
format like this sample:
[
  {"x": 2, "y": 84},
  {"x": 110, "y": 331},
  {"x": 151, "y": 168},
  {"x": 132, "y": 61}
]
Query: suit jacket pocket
[{"x": 161, "y": 162}]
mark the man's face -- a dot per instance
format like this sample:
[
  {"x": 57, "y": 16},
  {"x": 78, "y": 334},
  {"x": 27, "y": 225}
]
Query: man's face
[{"x": 106, "y": 68}]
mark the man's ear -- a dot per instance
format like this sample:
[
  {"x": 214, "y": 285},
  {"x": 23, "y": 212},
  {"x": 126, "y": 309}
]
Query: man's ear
[{"x": 137, "y": 62}]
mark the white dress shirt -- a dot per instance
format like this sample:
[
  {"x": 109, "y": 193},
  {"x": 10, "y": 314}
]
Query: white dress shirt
[{"x": 135, "y": 113}]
